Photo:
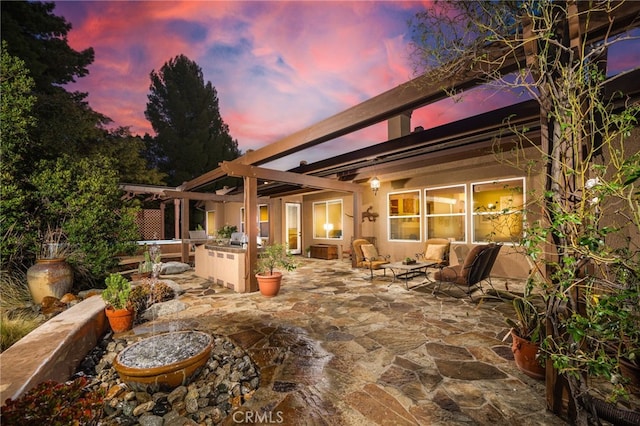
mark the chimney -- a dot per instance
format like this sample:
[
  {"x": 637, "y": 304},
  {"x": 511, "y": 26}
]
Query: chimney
[{"x": 399, "y": 125}]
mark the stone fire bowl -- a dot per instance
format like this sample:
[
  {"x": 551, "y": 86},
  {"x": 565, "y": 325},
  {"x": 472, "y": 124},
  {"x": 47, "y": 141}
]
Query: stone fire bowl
[{"x": 164, "y": 361}]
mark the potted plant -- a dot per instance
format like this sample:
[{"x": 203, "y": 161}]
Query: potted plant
[
  {"x": 526, "y": 333},
  {"x": 198, "y": 234},
  {"x": 224, "y": 234},
  {"x": 116, "y": 296},
  {"x": 51, "y": 275},
  {"x": 273, "y": 256}
]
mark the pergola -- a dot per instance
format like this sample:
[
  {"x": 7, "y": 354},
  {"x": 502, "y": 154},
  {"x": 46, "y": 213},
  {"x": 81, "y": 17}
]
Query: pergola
[{"x": 346, "y": 173}]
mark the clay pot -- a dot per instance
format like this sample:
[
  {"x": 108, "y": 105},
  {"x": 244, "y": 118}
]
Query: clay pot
[
  {"x": 49, "y": 277},
  {"x": 120, "y": 320},
  {"x": 524, "y": 353},
  {"x": 269, "y": 285}
]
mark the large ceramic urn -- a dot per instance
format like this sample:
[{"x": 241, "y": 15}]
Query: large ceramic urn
[{"x": 49, "y": 277}]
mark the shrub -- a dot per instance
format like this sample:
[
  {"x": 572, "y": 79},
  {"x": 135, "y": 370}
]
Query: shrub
[
  {"x": 52, "y": 403},
  {"x": 83, "y": 197},
  {"x": 15, "y": 327},
  {"x": 18, "y": 317}
]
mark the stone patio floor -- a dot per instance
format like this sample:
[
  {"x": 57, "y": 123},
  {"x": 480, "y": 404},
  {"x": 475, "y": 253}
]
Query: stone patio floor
[{"x": 337, "y": 349}]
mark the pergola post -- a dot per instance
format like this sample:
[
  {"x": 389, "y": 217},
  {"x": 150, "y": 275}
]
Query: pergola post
[
  {"x": 185, "y": 230},
  {"x": 357, "y": 222},
  {"x": 251, "y": 229}
]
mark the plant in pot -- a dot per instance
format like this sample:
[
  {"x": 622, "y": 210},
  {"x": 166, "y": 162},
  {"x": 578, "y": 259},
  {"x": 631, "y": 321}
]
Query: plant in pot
[
  {"x": 198, "y": 234},
  {"x": 116, "y": 296},
  {"x": 224, "y": 234},
  {"x": 51, "y": 275},
  {"x": 273, "y": 256},
  {"x": 527, "y": 331}
]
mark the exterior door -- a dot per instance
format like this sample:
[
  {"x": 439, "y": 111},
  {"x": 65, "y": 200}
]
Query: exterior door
[{"x": 293, "y": 228}]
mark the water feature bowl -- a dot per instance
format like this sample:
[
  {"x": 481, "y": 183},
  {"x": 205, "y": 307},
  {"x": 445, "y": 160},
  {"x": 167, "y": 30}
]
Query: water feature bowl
[{"x": 164, "y": 361}]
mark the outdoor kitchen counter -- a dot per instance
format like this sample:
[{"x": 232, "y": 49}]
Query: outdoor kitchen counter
[
  {"x": 228, "y": 249},
  {"x": 224, "y": 265}
]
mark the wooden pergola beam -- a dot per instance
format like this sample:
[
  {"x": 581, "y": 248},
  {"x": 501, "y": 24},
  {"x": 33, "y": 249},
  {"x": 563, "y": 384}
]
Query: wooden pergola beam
[
  {"x": 207, "y": 196},
  {"x": 243, "y": 170}
]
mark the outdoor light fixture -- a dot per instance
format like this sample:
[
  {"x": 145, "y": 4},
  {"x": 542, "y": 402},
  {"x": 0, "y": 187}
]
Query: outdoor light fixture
[{"x": 375, "y": 185}]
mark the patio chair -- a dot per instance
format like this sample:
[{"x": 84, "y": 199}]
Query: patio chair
[
  {"x": 436, "y": 250},
  {"x": 476, "y": 268},
  {"x": 367, "y": 256}
]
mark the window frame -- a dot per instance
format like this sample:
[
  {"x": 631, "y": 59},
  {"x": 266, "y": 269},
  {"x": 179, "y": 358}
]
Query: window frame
[
  {"x": 259, "y": 222},
  {"x": 324, "y": 235},
  {"x": 499, "y": 211},
  {"x": 464, "y": 214},
  {"x": 391, "y": 217}
]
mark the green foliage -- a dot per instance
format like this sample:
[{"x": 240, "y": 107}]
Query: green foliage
[
  {"x": 191, "y": 136},
  {"x": 16, "y": 120},
  {"x": 117, "y": 292},
  {"x": 48, "y": 132},
  {"x": 530, "y": 319},
  {"x": 275, "y": 256},
  {"x": 55, "y": 404},
  {"x": 83, "y": 196},
  {"x": 15, "y": 327},
  {"x": 226, "y": 231}
]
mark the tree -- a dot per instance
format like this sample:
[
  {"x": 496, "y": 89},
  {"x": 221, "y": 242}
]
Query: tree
[
  {"x": 60, "y": 165},
  {"x": 16, "y": 120},
  {"x": 191, "y": 136},
  {"x": 67, "y": 124},
  {"x": 38, "y": 37},
  {"x": 587, "y": 216}
]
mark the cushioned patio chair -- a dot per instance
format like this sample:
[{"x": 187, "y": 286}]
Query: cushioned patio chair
[
  {"x": 367, "y": 256},
  {"x": 476, "y": 268}
]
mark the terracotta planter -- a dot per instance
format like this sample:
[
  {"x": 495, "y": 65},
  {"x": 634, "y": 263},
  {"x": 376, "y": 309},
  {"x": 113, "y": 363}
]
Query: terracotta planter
[
  {"x": 524, "y": 353},
  {"x": 164, "y": 361},
  {"x": 120, "y": 320},
  {"x": 49, "y": 277},
  {"x": 269, "y": 284}
]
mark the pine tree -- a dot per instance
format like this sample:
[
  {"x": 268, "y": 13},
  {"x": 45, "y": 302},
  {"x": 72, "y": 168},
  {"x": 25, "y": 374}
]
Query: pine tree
[{"x": 191, "y": 136}]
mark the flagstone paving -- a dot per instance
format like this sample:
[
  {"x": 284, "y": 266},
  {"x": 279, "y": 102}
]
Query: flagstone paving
[{"x": 337, "y": 349}]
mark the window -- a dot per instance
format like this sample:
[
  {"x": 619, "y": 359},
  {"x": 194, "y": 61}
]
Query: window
[
  {"x": 445, "y": 212},
  {"x": 404, "y": 216},
  {"x": 263, "y": 220},
  {"x": 211, "y": 223},
  {"x": 498, "y": 210},
  {"x": 327, "y": 219}
]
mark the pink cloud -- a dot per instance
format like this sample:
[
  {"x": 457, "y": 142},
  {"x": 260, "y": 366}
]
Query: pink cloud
[{"x": 316, "y": 58}]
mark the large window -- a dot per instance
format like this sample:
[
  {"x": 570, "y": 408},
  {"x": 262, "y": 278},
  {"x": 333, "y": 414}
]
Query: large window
[
  {"x": 498, "y": 210},
  {"x": 327, "y": 219},
  {"x": 404, "y": 216},
  {"x": 445, "y": 212},
  {"x": 263, "y": 220}
]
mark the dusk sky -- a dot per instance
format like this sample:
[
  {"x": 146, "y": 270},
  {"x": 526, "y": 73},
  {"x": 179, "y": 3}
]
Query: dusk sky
[{"x": 278, "y": 67}]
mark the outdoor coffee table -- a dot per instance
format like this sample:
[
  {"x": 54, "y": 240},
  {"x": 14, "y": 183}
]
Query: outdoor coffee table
[{"x": 410, "y": 271}]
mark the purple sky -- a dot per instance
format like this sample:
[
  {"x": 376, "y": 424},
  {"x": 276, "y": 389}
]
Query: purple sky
[{"x": 278, "y": 67}]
